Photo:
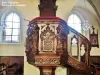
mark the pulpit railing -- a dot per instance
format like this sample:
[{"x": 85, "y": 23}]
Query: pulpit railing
[{"x": 81, "y": 41}]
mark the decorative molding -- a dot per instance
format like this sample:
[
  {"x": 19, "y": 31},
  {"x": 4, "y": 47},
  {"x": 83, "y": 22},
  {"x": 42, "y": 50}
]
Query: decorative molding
[
  {"x": 76, "y": 64},
  {"x": 47, "y": 40},
  {"x": 47, "y": 60},
  {"x": 47, "y": 7}
]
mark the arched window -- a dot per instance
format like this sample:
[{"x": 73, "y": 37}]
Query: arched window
[
  {"x": 74, "y": 22},
  {"x": 11, "y": 28}
]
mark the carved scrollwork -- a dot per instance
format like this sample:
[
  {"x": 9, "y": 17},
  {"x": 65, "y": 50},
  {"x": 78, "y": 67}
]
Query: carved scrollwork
[
  {"x": 32, "y": 42},
  {"x": 47, "y": 60},
  {"x": 76, "y": 64},
  {"x": 47, "y": 40}
]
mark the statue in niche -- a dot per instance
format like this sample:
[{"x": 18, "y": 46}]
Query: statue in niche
[{"x": 59, "y": 50}]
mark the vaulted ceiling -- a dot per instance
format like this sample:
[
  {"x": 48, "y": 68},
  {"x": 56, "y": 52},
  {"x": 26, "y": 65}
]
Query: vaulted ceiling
[{"x": 96, "y": 5}]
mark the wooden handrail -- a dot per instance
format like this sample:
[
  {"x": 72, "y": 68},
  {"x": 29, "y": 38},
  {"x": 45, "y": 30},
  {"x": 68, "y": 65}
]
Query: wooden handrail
[
  {"x": 85, "y": 41},
  {"x": 80, "y": 35},
  {"x": 76, "y": 64}
]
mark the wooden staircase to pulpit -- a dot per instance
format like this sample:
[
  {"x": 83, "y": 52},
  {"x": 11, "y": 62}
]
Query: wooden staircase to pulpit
[{"x": 47, "y": 43}]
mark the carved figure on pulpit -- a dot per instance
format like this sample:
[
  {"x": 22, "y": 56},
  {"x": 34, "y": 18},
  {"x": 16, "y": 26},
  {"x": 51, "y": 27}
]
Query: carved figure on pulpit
[
  {"x": 59, "y": 50},
  {"x": 32, "y": 42}
]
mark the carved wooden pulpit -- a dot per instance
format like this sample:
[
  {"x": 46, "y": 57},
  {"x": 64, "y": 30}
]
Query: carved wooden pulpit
[{"x": 46, "y": 42}]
